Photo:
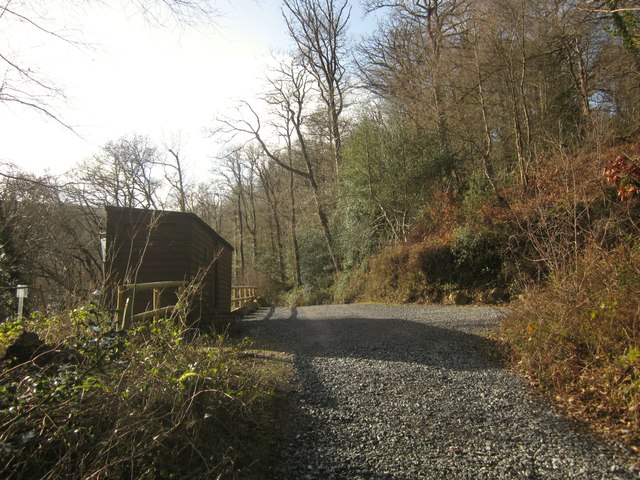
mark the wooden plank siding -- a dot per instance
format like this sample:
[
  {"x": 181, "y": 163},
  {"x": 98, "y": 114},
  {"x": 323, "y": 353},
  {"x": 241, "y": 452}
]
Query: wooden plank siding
[{"x": 154, "y": 246}]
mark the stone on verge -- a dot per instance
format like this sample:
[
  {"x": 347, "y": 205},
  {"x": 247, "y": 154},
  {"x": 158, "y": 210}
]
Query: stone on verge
[{"x": 459, "y": 297}]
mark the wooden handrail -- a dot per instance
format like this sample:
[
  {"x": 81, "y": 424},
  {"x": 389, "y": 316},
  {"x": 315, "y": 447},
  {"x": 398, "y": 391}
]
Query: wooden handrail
[
  {"x": 157, "y": 312},
  {"x": 124, "y": 307},
  {"x": 242, "y": 295},
  {"x": 140, "y": 287}
]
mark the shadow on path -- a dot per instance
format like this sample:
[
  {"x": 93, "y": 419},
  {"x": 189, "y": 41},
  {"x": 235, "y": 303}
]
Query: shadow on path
[
  {"x": 399, "y": 393},
  {"x": 366, "y": 332}
]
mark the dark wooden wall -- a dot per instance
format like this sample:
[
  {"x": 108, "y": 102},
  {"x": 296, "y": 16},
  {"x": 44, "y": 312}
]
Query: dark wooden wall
[{"x": 153, "y": 246}]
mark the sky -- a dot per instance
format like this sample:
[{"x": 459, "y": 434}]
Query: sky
[{"x": 123, "y": 75}]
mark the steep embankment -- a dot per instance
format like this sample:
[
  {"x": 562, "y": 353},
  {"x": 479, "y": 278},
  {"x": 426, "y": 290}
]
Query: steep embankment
[{"x": 566, "y": 251}]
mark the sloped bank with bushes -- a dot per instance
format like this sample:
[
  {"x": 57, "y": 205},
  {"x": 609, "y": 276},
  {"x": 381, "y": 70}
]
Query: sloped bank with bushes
[{"x": 567, "y": 258}]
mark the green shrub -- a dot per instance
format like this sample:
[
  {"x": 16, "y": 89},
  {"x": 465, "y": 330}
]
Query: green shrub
[
  {"x": 306, "y": 295},
  {"x": 146, "y": 404},
  {"x": 349, "y": 286},
  {"x": 410, "y": 273},
  {"x": 437, "y": 262},
  {"x": 385, "y": 273},
  {"x": 478, "y": 257},
  {"x": 316, "y": 267},
  {"x": 425, "y": 271}
]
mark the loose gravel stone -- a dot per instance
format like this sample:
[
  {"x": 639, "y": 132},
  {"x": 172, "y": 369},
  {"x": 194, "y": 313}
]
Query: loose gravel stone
[{"x": 397, "y": 392}]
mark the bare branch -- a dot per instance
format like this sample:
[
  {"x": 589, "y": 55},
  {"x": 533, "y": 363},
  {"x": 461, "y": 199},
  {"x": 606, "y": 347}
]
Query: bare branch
[
  {"x": 38, "y": 26},
  {"x": 243, "y": 126},
  {"x": 187, "y": 12},
  {"x": 319, "y": 29}
]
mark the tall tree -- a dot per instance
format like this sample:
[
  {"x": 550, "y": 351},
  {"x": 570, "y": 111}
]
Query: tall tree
[
  {"x": 233, "y": 171},
  {"x": 289, "y": 97},
  {"x": 45, "y": 241},
  {"x": 410, "y": 55},
  {"x": 175, "y": 175},
  {"x": 270, "y": 179},
  {"x": 626, "y": 20},
  {"x": 123, "y": 175},
  {"x": 207, "y": 202},
  {"x": 409, "y": 62},
  {"x": 319, "y": 29}
]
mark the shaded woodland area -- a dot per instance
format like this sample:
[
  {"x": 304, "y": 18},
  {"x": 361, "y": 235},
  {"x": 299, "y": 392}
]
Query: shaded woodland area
[
  {"x": 467, "y": 146},
  {"x": 462, "y": 146}
]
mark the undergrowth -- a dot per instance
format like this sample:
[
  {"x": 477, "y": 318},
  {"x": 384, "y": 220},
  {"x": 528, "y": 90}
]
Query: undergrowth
[
  {"x": 157, "y": 402},
  {"x": 570, "y": 242},
  {"x": 578, "y": 340},
  {"x": 470, "y": 258}
]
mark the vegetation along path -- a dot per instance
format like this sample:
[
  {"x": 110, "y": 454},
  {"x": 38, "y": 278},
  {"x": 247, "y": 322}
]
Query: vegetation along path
[{"x": 407, "y": 392}]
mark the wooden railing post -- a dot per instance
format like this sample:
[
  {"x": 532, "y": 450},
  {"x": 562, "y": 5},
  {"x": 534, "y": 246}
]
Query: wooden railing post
[
  {"x": 156, "y": 302},
  {"x": 122, "y": 307},
  {"x": 234, "y": 298},
  {"x": 242, "y": 295}
]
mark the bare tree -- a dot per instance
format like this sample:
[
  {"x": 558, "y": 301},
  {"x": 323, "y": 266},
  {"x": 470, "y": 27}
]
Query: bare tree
[
  {"x": 232, "y": 170},
  {"x": 175, "y": 176},
  {"x": 23, "y": 84},
  {"x": 626, "y": 20},
  {"x": 186, "y": 12},
  {"x": 268, "y": 173},
  {"x": 412, "y": 51},
  {"x": 295, "y": 247},
  {"x": 319, "y": 29},
  {"x": 288, "y": 96},
  {"x": 123, "y": 175},
  {"x": 45, "y": 241},
  {"x": 251, "y": 157},
  {"x": 206, "y": 202},
  {"x": 177, "y": 180}
]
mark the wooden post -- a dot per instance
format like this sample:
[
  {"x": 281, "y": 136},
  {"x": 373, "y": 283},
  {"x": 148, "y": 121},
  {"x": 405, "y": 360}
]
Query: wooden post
[
  {"x": 126, "y": 318},
  {"x": 156, "y": 302},
  {"x": 122, "y": 307}
]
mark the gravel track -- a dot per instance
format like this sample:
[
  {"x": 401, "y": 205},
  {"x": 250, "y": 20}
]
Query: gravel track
[{"x": 397, "y": 392}]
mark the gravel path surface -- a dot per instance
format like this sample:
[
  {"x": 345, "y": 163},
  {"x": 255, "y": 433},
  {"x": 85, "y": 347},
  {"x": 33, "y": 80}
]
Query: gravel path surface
[{"x": 396, "y": 392}]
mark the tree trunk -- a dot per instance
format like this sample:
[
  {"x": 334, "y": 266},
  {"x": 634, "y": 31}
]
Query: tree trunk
[
  {"x": 240, "y": 233},
  {"x": 297, "y": 278}
]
